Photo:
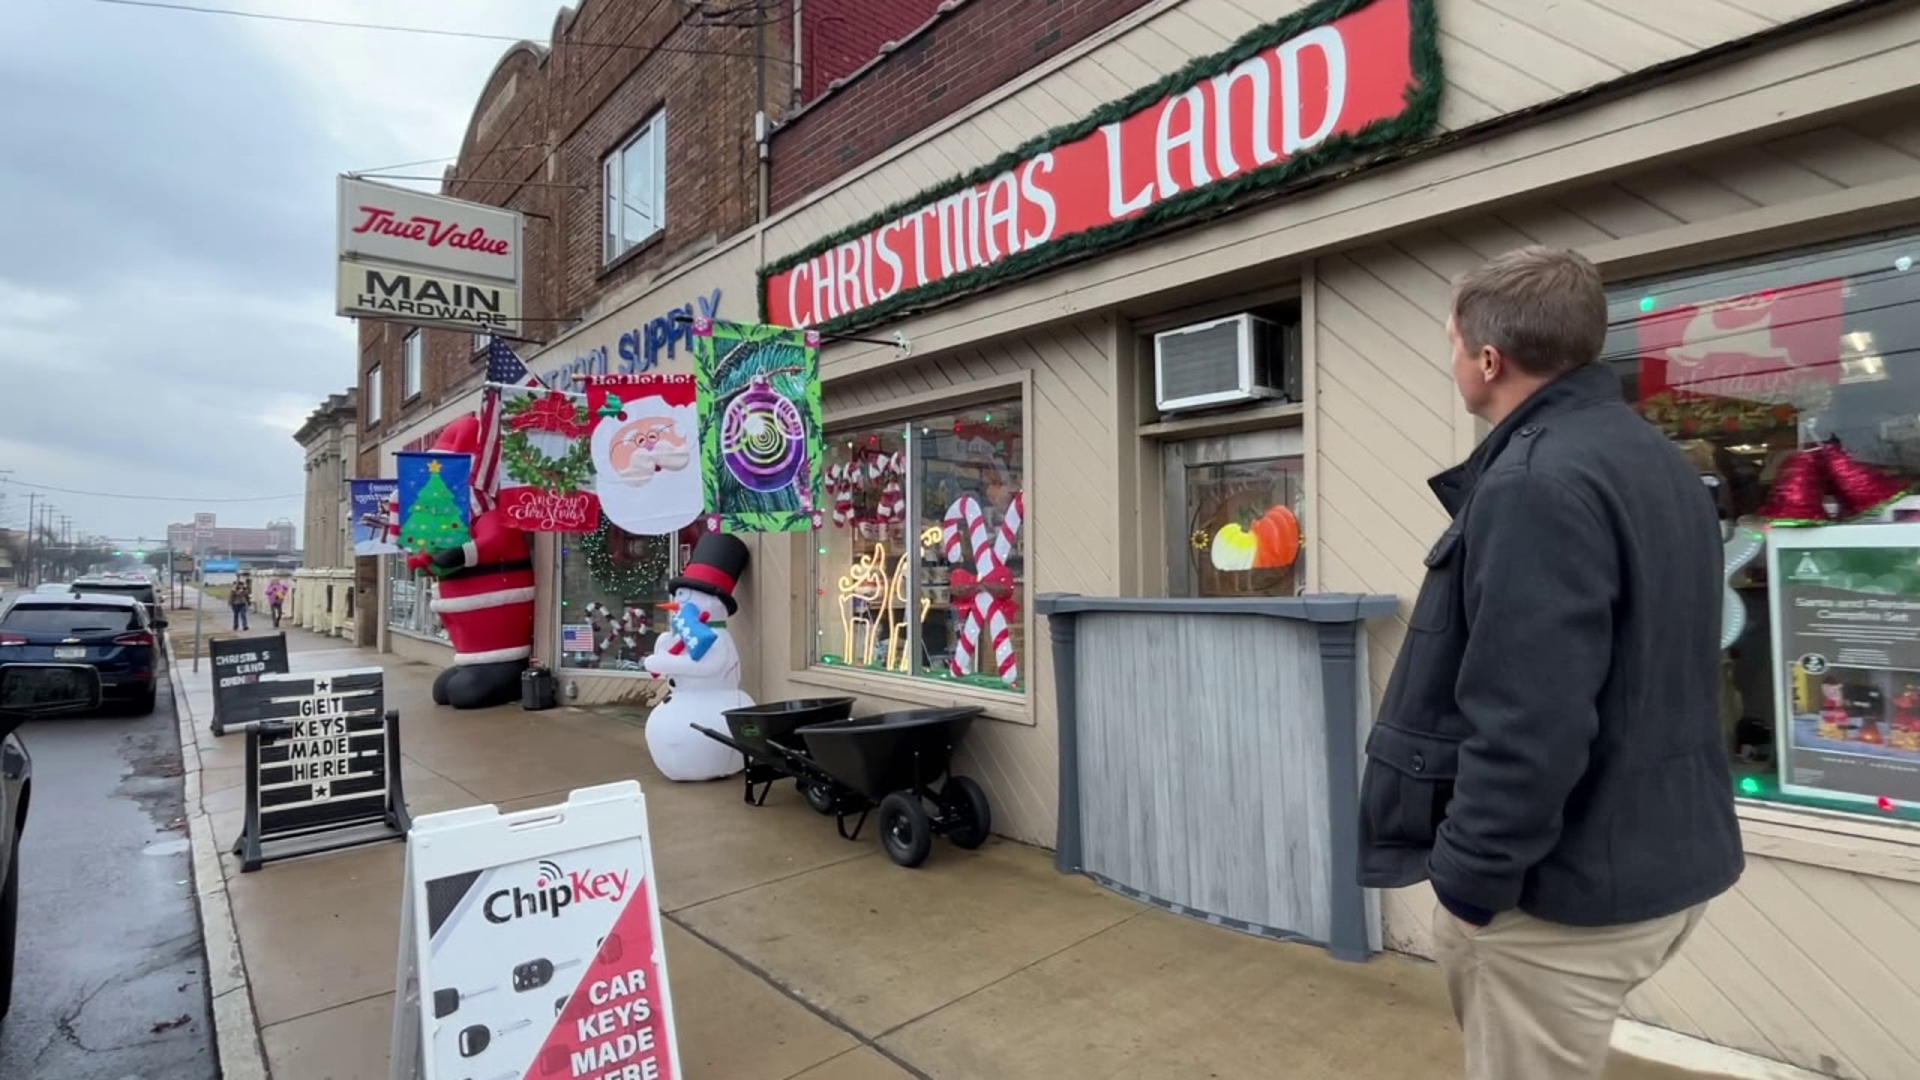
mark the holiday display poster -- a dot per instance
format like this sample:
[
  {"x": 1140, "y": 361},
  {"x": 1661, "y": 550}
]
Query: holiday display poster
[
  {"x": 646, "y": 451},
  {"x": 1764, "y": 347},
  {"x": 760, "y": 428},
  {"x": 436, "y": 500},
  {"x": 546, "y": 463},
  {"x": 549, "y": 966},
  {"x": 1846, "y": 623},
  {"x": 374, "y": 530}
]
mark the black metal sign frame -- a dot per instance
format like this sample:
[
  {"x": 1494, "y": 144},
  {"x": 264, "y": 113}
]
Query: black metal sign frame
[
  {"x": 322, "y": 765},
  {"x": 240, "y": 662}
]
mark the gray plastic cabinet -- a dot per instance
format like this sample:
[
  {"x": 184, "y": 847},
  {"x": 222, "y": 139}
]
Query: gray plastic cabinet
[{"x": 1210, "y": 757}]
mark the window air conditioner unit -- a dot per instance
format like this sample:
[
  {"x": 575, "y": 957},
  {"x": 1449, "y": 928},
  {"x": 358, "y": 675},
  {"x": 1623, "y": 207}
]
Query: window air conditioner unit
[{"x": 1228, "y": 361}]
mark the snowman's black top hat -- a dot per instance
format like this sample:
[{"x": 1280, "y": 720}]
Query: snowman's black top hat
[{"x": 718, "y": 561}]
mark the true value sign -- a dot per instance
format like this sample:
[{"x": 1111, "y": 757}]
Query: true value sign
[
  {"x": 426, "y": 259},
  {"x": 1325, "y": 85}
]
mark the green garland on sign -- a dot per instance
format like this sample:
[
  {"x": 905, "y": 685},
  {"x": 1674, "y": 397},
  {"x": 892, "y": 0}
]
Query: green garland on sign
[
  {"x": 626, "y": 580},
  {"x": 563, "y": 475},
  {"x": 1418, "y": 119}
]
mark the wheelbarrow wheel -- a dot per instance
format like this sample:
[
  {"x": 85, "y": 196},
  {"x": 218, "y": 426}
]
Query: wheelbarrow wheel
[
  {"x": 965, "y": 813},
  {"x": 818, "y": 796},
  {"x": 905, "y": 830}
]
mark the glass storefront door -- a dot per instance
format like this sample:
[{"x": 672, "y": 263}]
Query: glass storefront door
[{"x": 1235, "y": 510}]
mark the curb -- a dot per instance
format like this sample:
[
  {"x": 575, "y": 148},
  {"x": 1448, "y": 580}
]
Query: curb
[{"x": 237, "y": 1050}]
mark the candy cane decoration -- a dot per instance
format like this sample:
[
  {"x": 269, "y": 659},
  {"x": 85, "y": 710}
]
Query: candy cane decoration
[
  {"x": 983, "y": 593},
  {"x": 999, "y": 616}
]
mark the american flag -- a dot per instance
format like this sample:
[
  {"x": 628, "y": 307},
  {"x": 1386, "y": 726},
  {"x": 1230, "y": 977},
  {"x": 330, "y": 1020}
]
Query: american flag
[
  {"x": 576, "y": 638},
  {"x": 504, "y": 368}
]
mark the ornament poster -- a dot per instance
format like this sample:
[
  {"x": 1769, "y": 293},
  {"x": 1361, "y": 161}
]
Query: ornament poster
[
  {"x": 546, "y": 464},
  {"x": 436, "y": 500},
  {"x": 760, "y": 430},
  {"x": 1846, "y": 645},
  {"x": 646, "y": 451}
]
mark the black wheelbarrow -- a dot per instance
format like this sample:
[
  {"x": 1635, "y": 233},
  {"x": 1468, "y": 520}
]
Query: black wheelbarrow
[
  {"x": 892, "y": 761},
  {"x": 764, "y": 735}
]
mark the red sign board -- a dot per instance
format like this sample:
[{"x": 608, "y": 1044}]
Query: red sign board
[
  {"x": 1323, "y": 83},
  {"x": 1765, "y": 346}
]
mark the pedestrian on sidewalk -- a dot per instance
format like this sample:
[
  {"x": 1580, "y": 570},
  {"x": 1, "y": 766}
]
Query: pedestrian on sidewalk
[
  {"x": 276, "y": 598},
  {"x": 1548, "y": 753},
  {"x": 239, "y": 598}
]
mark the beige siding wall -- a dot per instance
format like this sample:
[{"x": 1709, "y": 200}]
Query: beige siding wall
[
  {"x": 1072, "y": 527},
  {"x": 1500, "y": 56},
  {"x": 1775, "y": 970}
]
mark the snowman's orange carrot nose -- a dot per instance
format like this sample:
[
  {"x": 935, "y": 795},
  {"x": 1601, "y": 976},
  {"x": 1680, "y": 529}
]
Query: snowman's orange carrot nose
[{"x": 668, "y": 606}]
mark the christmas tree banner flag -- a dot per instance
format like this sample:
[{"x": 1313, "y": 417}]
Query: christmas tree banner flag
[
  {"x": 436, "y": 501},
  {"x": 646, "y": 451},
  {"x": 546, "y": 461},
  {"x": 760, "y": 437}
]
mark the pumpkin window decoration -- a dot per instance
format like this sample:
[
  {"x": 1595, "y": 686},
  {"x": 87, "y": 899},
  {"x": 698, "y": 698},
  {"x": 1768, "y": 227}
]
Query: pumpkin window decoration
[{"x": 1268, "y": 542}]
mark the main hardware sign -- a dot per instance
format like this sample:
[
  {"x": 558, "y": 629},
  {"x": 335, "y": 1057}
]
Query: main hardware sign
[
  {"x": 1328, "y": 84},
  {"x": 428, "y": 260}
]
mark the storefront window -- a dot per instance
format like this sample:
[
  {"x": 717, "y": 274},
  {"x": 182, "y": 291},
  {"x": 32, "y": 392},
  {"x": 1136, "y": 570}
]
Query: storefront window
[
  {"x": 921, "y": 573},
  {"x": 409, "y": 601},
  {"x": 612, "y": 584},
  {"x": 1793, "y": 384}
]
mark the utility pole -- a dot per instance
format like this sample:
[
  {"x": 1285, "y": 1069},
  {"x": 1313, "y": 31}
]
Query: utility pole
[{"x": 32, "y": 578}]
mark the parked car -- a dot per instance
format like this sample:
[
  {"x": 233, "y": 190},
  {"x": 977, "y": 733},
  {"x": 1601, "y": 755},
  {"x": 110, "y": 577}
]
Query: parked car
[
  {"x": 138, "y": 588},
  {"x": 27, "y": 691},
  {"x": 54, "y": 587},
  {"x": 109, "y": 633}
]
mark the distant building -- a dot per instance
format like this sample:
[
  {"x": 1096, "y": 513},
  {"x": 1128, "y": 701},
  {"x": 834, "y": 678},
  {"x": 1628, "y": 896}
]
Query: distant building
[
  {"x": 324, "y": 590},
  {"x": 277, "y": 539}
]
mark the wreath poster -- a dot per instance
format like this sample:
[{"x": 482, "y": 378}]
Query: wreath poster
[
  {"x": 546, "y": 463},
  {"x": 760, "y": 438},
  {"x": 646, "y": 451}
]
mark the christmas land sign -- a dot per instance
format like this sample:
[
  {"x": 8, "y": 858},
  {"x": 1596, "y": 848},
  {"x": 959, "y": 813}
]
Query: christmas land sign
[
  {"x": 436, "y": 501},
  {"x": 1329, "y": 84}
]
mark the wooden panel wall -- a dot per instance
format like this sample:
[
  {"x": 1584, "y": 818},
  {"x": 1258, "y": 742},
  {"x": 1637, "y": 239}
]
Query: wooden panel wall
[
  {"x": 1500, "y": 56},
  {"x": 1071, "y": 529},
  {"x": 1772, "y": 971}
]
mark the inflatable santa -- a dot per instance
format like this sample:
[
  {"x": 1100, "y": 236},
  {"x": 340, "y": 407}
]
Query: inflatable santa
[{"x": 486, "y": 598}]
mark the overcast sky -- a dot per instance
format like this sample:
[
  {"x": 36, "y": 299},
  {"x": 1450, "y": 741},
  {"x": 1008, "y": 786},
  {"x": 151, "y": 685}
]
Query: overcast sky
[{"x": 166, "y": 235}]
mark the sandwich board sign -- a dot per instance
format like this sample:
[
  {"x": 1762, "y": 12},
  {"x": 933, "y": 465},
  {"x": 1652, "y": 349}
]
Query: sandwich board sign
[
  {"x": 530, "y": 946},
  {"x": 239, "y": 662},
  {"x": 322, "y": 764}
]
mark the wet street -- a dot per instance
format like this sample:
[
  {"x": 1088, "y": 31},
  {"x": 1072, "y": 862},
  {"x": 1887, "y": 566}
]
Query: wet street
[{"x": 110, "y": 980}]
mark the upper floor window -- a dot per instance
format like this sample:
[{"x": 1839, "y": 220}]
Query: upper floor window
[
  {"x": 413, "y": 360},
  {"x": 635, "y": 188},
  {"x": 373, "y": 395}
]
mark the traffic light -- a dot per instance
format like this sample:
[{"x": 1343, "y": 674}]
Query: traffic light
[
  {"x": 117, "y": 551},
  {"x": 139, "y": 554}
]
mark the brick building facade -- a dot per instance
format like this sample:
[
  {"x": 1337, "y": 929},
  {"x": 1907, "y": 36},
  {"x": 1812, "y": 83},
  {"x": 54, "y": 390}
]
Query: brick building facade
[
  {"x": 963, "y": 52},
  {"x": 540, "y": 132}
]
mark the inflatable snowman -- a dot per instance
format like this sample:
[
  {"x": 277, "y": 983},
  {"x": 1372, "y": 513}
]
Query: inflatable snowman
[{"x": 698, "y": 654}]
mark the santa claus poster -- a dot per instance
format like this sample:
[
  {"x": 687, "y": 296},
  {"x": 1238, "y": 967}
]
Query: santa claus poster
[
  {"x": 646, "y": 451},
  {"x": 1773, "y": 346},
  {"x": 546, "y": 468}
]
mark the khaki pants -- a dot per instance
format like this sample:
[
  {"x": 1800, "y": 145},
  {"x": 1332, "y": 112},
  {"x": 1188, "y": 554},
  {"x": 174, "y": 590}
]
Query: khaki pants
[{"x": 1537, "y": 1000}]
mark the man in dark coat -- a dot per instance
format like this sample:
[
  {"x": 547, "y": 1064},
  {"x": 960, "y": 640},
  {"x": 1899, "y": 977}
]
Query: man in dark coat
[{"x": 1548, "y": 753}]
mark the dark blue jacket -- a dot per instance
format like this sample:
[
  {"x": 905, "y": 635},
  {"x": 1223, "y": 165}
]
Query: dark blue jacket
[{"x": 1550, "y": 738}]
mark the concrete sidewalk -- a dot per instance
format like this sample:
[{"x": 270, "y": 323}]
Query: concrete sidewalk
[{"x": 794, "y": 954}]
